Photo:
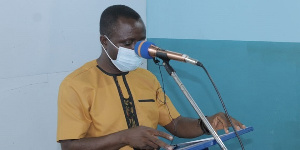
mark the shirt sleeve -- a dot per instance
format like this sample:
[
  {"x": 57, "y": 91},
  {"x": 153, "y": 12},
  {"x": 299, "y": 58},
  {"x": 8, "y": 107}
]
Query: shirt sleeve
[
  {"x": 167, "y": 111},
  {"x": 73, "y": 119}
]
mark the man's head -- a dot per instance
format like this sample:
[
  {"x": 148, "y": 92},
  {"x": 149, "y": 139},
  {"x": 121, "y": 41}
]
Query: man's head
[
  {"x": 111, "y": 15},
  {"x": 120, "y": 26}
]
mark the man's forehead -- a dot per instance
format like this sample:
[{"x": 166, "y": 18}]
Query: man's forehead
[
  {"x": 128, "y": 26},
  {"x": 130, "y": 21}
]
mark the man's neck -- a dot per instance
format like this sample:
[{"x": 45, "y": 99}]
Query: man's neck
[{"x": 105, "y": 63}]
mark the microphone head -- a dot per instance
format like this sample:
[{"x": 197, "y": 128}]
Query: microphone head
[{"x": 141, "y": 49}]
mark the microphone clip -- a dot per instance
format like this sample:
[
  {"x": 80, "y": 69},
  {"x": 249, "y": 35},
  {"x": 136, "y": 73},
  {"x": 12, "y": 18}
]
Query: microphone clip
[{"x": 155, "y": 60}]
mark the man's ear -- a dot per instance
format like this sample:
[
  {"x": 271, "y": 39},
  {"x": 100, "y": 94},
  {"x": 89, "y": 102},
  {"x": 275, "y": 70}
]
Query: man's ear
[{"x": 103, "y": 40}]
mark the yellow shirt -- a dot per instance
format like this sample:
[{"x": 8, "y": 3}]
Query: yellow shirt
[{"x": 90, "y": 104}]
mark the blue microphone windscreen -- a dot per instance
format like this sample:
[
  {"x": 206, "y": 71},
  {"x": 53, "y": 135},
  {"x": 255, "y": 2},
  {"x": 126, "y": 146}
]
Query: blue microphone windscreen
[{"x": 141, "y": 49}]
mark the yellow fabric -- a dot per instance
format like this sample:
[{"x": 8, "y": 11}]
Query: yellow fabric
[{"x": 89, "y": 104}]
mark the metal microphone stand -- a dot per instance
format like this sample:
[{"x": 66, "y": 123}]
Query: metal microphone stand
[{"x": 172, "y": 73}]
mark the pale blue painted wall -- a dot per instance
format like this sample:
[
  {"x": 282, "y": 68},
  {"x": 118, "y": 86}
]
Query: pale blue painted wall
[
  {"x": 251, "y": 49},
  {"x": 255, "y": 20}
]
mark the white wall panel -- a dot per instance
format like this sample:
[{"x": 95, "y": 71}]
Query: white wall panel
[{"x": 40, "y": 43}]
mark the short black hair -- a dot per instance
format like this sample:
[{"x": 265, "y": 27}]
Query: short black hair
[{"x": 110, "y": 16}]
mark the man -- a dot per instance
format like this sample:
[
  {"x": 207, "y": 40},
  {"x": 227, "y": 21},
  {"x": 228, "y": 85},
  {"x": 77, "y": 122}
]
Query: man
[{"x": 109, "y": 103}]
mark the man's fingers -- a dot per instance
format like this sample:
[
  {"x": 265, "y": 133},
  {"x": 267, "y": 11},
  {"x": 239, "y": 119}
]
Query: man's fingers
[
  {"x": 164, "y": 135},
  {"x": 220, "y": 121},
  {"x": 240, "y": 125},
  {"x": 237, "y": 125},
  {"x": 243, "y": 126},
  {"x": 226, "y": 130},
  {"x": 223, "y": 121},
  {"x": 160, "y": 143},
  {"x": 152, "y": 145}
]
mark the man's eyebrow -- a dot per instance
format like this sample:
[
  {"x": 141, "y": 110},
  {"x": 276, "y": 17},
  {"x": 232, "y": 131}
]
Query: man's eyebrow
[{"x": 126, "y": 39}]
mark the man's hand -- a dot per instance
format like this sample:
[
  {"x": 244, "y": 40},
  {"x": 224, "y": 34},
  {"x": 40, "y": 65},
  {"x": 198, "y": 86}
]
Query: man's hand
[
  {"x": 145, "y": 138},
  {"x": 220, "y": 121}
]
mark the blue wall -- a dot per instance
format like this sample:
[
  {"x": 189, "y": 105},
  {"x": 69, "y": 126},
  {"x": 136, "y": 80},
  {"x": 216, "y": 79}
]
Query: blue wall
[
  {"x": 252, "y": 51},
  {"x": 259, "y": 82},
  {"x": 255, "y": 20}
]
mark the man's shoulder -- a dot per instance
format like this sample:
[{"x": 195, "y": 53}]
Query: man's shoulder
[
  {"x": 85, "y": 71},
  {"x": 144, "y": 73}
]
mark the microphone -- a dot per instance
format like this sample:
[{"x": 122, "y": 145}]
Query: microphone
[{"x": 149, "y": 50}]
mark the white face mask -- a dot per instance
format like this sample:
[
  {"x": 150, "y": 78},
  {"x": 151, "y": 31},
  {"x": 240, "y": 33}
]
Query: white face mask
[{"x": 127, "y": 59}]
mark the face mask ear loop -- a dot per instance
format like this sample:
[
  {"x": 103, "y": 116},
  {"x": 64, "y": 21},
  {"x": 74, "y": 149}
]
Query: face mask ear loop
[
  {"x": 105, "y": 51},
  {"x": 111, "y": 41}
]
